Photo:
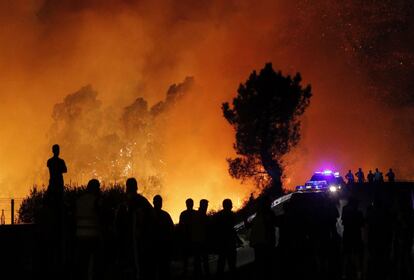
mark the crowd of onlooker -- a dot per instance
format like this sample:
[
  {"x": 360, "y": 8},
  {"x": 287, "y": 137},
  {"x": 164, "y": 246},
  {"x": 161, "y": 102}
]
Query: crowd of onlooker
[
  {"x": 304, "y": 240},
  {"x": 314, "y": 235},
  {"x": 376, "y": 177},
  {"x": 141, "y": 240}
]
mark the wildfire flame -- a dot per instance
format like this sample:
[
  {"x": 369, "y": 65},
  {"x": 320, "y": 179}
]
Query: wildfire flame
[{"x": 128, "y": 50}]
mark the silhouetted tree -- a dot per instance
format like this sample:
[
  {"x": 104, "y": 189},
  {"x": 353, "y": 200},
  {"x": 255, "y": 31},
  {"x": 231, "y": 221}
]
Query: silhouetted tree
[{"x": 265, "y": 115}]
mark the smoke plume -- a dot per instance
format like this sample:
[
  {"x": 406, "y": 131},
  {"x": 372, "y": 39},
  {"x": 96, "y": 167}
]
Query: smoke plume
[{"x": 357, "y": 56}]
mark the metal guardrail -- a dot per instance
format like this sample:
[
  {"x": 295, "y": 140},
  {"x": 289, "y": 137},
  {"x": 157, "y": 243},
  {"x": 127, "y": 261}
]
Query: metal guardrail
[{"x": 275, "y": 203}]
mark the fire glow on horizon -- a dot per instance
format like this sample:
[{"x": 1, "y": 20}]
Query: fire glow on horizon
[{"x": 131, "y": 49}]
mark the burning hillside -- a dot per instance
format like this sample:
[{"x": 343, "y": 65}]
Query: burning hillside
[
  {"x": 357, "y": 56},
  {"x": 111, "y": 144}
]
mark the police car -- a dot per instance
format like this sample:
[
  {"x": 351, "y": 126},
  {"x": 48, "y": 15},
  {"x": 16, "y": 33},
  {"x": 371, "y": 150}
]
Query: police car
[{"x": 326, "y": 180}]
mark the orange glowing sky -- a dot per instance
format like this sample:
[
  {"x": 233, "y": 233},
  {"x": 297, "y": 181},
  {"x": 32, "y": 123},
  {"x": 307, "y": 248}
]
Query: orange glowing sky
[{"x": 126, "y": 49}]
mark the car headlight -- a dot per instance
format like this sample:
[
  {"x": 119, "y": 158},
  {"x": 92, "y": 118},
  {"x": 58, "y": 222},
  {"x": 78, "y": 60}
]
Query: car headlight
[{"x": 333, "y": 188}]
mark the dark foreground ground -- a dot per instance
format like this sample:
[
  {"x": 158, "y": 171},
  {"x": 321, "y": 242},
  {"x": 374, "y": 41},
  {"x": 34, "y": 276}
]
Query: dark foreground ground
[{"x": 23, "y": 257}]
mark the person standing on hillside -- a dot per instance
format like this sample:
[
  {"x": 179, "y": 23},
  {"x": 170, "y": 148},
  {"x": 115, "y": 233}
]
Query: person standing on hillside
[
  {"x": 186, "y": 229},
  {"x": 54, "y": 204},
  {"x": 370, "y": 177},
  {"x": 360, "y": 175},
  {"x": 201, "y": 240},
  {"x": 135, "y": 218},
  {"x": 162, "y": 236},
  {"x": 350, "y": 177},
  {"x": 377, "y": 176},
  {"x": 225, "y": 220},
  {"x": 56, "y": 167},
  {"x": 89, "y": 233},
  {"x": 391, "y": 176}
]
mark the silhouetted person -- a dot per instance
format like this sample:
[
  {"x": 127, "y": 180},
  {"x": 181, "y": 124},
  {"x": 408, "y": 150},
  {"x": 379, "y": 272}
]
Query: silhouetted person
[
  {"x": 360, "y": 175},
  {"x": 88, "y": 232},
  {"x": 370, "y": 177},
  {"x": 263, "y": 237},
  {"x": 350, "y": 177},
  {"x": 134, "y": 222},
  {"x": 390, "y": 175},
  {"x": 353, "y": 221},
  {"x": 186, "y": 227},
  {"x": 56, "y": 167},
  {"x": 54, "y": 200},
  {"x": 227, "y": 241},
  {"x": 201, "y": 239},
  {"x": 163, "y": 237},
  {"x": 377, "y": 176}
]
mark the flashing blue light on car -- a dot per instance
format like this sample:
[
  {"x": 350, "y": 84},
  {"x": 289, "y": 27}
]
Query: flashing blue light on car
[
  {"x": 327, "y": 172},
  {"x": 326, "y": 180}
]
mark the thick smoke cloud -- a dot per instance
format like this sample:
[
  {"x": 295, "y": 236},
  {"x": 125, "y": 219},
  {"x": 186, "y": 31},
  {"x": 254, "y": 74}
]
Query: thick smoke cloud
[
  {"x": 101, "y": 144},
  {"x": 357, "y": 56}
]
